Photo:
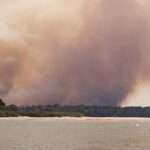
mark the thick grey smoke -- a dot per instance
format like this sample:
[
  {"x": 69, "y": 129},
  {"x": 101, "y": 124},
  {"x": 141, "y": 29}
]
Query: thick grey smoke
[{"x": 71, "y": 52}]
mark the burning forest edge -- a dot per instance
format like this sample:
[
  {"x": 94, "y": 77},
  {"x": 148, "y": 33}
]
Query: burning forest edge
[{"x": 72, "y": 111}]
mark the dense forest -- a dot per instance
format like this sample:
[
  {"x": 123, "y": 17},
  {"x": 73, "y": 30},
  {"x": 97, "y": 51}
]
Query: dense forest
[{"x": 73, "y": 111}]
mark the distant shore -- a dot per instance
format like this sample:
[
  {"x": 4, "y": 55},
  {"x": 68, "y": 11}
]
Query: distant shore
[
  {"x": 78, "y": 118},
  {"x": 73, "y": 111}
]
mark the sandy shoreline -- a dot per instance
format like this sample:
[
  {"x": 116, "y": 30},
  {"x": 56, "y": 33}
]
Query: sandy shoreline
[{"x": 76, "y": 118}]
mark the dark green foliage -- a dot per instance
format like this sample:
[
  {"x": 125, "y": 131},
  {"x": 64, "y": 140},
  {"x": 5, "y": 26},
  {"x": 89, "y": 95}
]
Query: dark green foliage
[
  {"x": 72, "y": 111},
  {"x": 50, "y": 114},
  {"x": 5, "y": 113},
  {"x": 12, "y": 107}
]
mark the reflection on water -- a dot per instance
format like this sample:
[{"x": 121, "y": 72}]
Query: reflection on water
[{"x": 74, "y": 134}]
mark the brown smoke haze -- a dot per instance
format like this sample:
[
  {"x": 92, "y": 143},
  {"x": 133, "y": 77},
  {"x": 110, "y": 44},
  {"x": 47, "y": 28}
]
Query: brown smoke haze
[{"x": 73, "y": 51}]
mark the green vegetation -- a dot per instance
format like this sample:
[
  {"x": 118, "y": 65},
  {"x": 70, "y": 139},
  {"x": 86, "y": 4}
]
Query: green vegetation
[{"x": 72, "y": 111}]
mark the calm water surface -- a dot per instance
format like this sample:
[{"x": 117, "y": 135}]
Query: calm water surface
[{"x": 74, "y": 134}]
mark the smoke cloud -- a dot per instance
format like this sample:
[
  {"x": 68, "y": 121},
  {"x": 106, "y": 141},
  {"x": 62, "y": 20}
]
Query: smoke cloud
[{"x": 72, "y": 52}]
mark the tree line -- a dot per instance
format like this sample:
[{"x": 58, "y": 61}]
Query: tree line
[{"x": 73, "y": 111}]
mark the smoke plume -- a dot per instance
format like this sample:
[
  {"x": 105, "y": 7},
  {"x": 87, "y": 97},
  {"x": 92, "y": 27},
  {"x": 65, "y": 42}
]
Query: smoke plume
[{"x": 72, "y": 52}]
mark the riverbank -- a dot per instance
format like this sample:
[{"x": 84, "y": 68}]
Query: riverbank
[{"x": 78, "y": 118}]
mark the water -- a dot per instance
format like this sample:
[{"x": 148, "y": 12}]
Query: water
[{"x": 74, "y": 134}]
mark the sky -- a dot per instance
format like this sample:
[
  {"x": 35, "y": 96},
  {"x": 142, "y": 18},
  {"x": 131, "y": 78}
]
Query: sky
[{"x": 75, "y": 52}]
